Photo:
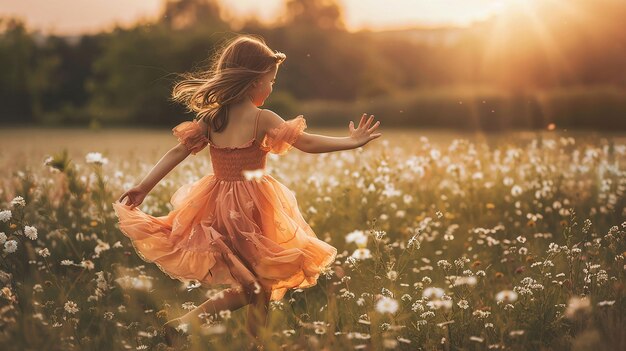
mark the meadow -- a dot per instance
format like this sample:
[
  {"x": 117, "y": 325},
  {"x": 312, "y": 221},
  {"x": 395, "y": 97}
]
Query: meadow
[{"x": 446, "y": 241}]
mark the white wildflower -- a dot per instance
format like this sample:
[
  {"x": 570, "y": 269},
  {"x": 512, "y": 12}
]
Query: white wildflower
[
  {"x": 254, "y": 174},
  {"x": 71, "y": 307},
  {"x": 386, "y": 305},
  {"x": 87, "y": 264},
  {"x": 358, "y": 237},
  {"x": 10, "y": 246},
  {"x": 463, "y": 304},
  {"x": 18, "y": 201},
  {"x": 444, "y": 264},
  {"x": 5, "y": 215},
  {"x": 43, "y": 252},
  {"x": 30, "y": 232},
  {"x": 361, "y": 254},
  {"x": 225, "y": 314},
  {"x": 96, "y": 157},
  {"x": 506, "y": 296},
  {"x": 433, "y": 293},
  {"x": 577, "y": 305}
]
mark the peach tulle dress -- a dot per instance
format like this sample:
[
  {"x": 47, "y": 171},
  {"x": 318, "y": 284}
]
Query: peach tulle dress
[{"x": 230, "y": 228}]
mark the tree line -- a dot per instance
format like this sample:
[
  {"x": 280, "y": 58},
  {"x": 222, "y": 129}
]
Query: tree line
[{"x": 557, "y": 64}]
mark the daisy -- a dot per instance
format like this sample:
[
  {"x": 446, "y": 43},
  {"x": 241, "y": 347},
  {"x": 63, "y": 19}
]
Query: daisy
[
  {"x": 225, "y": 314},
  {"x": 10, "y": 246},
  {"x": 96, "y": 157},
  {"x": 433, "y": 292},
  {"x": 87, "y": 264},
  {"x": 463, "y": 304},
  {"x": 361, "y": 254},
  {"x": 18, "y": 201},
  {"x": 44, "y": 252},
  {"x": 71, "y": 307},
  {"x": 471, "y": 281},
  {"x": 255, "y": 174},
  {"x": 436, "y": 304},
  {"x": 386, "y": 305},
  {"x": 577, "y": 305},
  {"x": 30, "y": 232},
  {"x": 516, "y": 190},
  {"x": 5, "y": 215},
  {"x": 357, "y": 236},
  {"x": 506, "y": 296}
]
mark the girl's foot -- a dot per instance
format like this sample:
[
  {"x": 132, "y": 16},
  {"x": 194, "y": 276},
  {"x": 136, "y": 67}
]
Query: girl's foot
[
  {"x": 256, "y": 345},
  {"x": 171, "y": 331}
]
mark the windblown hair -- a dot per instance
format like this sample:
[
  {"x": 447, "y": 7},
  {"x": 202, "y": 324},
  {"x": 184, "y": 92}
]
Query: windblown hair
[{"x": 235, "y": 67}]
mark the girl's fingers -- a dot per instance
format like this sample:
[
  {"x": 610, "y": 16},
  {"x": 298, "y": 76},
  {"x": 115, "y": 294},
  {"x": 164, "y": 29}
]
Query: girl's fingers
[
  {"x": 374, "y": 127},
  {"x": 362, "y": 119}
]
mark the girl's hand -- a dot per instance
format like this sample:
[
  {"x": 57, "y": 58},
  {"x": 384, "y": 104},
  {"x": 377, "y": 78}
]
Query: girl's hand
[
  {"x": 135, "y": 196},
  {"x": 363, "y": 134}
]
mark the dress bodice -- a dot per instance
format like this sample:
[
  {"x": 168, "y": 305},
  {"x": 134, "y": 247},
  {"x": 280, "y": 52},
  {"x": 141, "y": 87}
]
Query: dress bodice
[{"x": 231, "y": 163}]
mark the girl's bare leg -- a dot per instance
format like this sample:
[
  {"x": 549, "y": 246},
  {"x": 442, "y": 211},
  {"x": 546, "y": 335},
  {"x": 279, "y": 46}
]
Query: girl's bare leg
[
  {"x": 228, "y": 299},
  {"x": 258, "y": 311}
]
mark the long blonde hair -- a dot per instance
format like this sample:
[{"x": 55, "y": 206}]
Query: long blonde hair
[{"x": 241, "y": 60}]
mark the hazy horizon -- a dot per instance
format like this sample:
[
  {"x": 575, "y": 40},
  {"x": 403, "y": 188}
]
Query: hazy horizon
[{"x": 100, "y": 15}]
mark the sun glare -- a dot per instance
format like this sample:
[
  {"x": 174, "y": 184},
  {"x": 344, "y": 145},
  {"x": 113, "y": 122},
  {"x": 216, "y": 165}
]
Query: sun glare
[{"x": 518, "y": 25}]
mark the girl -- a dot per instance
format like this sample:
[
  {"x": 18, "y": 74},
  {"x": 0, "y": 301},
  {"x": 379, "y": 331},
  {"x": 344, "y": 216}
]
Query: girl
[{"x": 238, "y": 226}]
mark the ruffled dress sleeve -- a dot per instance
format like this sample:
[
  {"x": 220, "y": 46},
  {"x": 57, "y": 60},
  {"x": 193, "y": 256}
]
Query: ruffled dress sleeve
[
  {"x": 280, "y": 139},
  {"x": 189, "y": 133}
]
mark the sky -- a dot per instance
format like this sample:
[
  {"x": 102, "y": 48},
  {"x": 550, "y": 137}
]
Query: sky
[{"x": 64, "y": 17}]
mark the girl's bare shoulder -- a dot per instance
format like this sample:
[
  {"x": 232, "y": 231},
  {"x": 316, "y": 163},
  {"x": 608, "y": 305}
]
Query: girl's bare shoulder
[{"x": 269, "y": 119}]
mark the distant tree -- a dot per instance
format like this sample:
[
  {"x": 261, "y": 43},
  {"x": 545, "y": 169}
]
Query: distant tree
[
  {"x": 180, "y": 14},
  {"x": 17, "y": 54},
  {"x": 321, "y": 14}
]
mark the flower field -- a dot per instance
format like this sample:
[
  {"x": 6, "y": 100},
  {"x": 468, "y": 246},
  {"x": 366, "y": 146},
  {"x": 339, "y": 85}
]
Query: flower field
[{"x": 500, "y": 242}]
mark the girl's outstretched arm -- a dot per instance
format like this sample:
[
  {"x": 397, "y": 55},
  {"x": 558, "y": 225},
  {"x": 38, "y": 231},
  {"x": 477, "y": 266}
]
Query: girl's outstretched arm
[{"x": 317, "y": 143}]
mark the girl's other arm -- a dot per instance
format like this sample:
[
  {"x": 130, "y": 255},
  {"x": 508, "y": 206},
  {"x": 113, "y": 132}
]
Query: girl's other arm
[
  {"x": 168, "y": 162},
  {"x": 137, "y": 194}
]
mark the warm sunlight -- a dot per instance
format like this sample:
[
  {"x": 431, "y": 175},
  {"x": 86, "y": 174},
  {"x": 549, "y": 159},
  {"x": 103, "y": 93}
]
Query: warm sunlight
[
  {"x": 521, "y": 26},
  {"x": 359, "y": 14},
  {"x": 312, "y": 174}
]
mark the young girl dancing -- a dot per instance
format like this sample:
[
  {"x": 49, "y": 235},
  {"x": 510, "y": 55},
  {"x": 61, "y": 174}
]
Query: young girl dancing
[{"x": 239, "y": 226}]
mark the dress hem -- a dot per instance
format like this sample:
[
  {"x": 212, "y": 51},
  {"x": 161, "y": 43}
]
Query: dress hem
[
  {"x": 283, "y": 290},
  {"x": 159, "y": 266}
]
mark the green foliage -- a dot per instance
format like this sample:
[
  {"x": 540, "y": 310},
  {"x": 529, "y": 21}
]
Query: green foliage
[{"x": 548, "y": 66}]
